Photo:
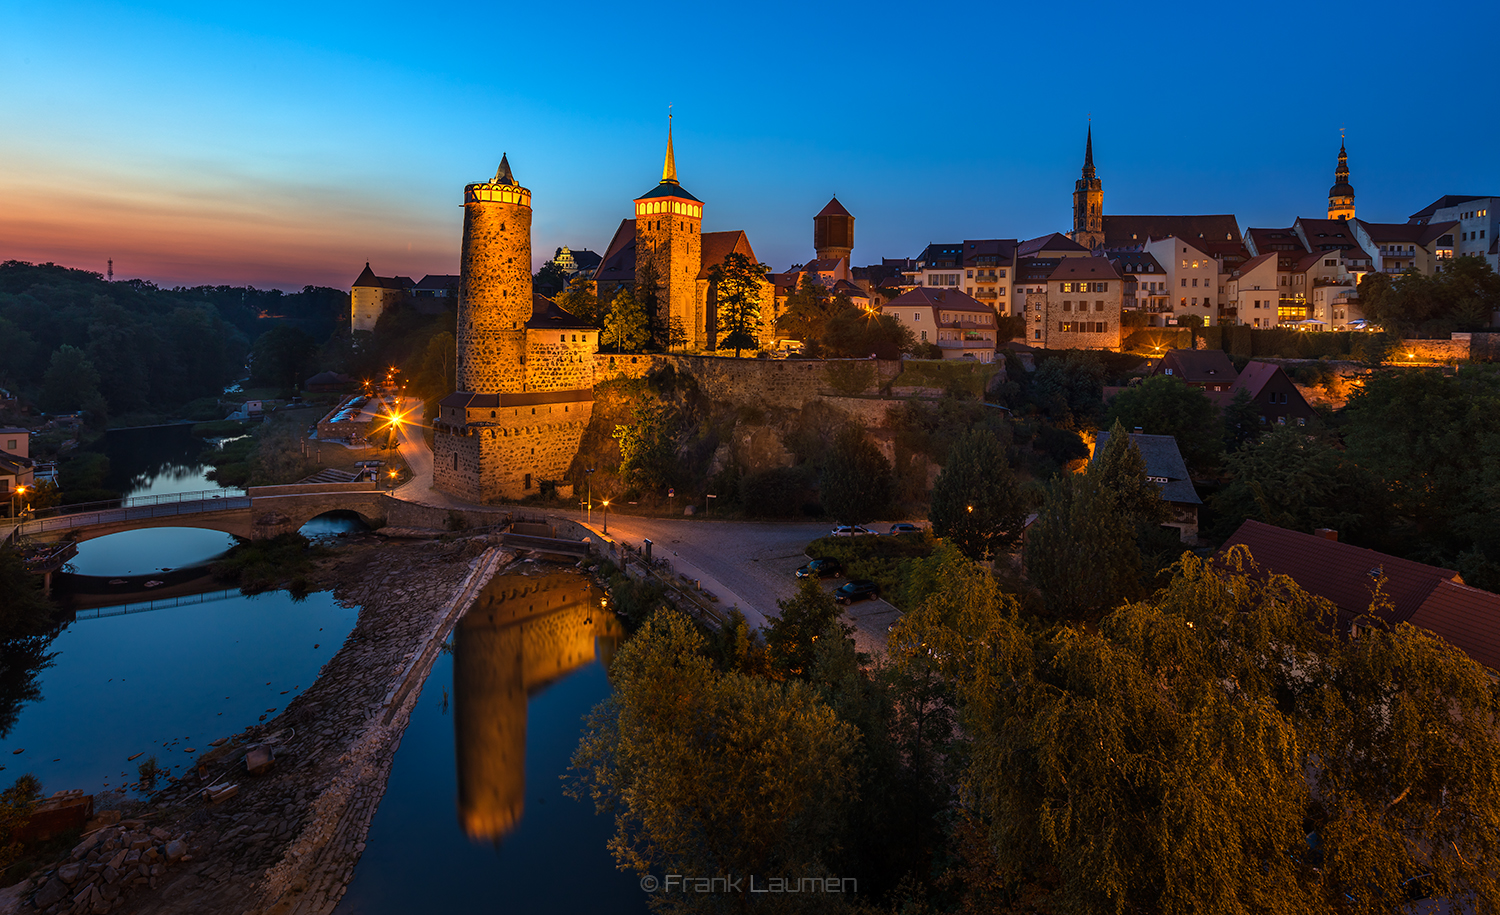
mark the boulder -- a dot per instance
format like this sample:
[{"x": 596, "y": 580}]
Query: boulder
[
  {"x": 175, "y": 850},
  {"x": 52, "y": 891},
  {"x": 69, "y": 873},
  {"x": 259, "y": 760}
]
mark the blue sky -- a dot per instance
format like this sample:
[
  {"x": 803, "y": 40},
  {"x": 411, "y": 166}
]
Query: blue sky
[{"x": 286, "y": 144}]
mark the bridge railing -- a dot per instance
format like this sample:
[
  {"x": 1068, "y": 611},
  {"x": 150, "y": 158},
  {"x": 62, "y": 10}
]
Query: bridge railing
[
  {"x": 119, "y": 513},
  {"x": 162, "y": 499}
]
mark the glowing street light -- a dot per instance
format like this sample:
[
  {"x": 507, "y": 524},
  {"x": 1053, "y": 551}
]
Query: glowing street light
[{"x": 606, "y": 516}]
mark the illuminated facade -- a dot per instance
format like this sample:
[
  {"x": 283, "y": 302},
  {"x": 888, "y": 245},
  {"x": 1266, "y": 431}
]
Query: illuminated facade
[{"x": 525, "y": 367}]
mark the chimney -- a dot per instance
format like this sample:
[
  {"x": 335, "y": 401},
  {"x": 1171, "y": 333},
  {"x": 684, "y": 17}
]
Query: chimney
[{"x": 1327, "y": 533}]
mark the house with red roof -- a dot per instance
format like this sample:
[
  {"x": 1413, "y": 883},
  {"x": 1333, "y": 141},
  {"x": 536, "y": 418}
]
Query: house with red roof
[{"x": 1348, "y": 577}]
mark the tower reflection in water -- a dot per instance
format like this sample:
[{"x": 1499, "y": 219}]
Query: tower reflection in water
[{"x": 523, "y": 633}]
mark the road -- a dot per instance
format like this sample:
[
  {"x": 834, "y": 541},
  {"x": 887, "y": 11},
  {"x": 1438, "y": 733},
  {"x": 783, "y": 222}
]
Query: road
[{"x": 747, "y": 564}]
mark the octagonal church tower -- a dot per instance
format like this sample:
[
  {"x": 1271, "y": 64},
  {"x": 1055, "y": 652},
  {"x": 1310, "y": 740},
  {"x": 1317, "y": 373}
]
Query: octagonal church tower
[
  {"x": 524, "y": 366},
  {"x": 669, "y": 234}
]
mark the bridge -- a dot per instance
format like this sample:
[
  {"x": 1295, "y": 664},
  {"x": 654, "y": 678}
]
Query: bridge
[{"x": 259, "y": 513}]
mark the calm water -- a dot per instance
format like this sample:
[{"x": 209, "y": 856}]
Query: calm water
[{"x": 474, "y": 818}]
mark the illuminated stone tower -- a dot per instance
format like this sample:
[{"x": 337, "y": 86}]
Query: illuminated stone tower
[
  {"x": 833, "y": 232},
  {"x": 494, "y": 293},
  {"x": 669, "y": 233},
  {"x": 1341, "y": 195},
  {"x": 1088, "y": 202},
  {"x": 525, "y": 368}
]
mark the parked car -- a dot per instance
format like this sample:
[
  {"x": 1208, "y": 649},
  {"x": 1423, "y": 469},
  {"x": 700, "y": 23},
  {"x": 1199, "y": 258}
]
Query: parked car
[
  {"x": 859, "y": 589},
  {"x": 904, "y": 528},
  {"x": 850, "y": 530},
  {"x": 821, "y": 568}
]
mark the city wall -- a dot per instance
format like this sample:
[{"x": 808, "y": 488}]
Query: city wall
[{"x": 762, "y": 383}]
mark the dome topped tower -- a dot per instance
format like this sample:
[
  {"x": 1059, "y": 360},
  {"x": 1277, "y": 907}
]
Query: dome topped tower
[
  {"x": 1341, "y": 195},
  {"x": 669, "y": 234}
]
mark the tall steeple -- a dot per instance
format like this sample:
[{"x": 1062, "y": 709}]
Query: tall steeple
[
  {"x": 502, "y": 174},
  {"x": 1341, "y": 195},
  {"x": 1088, "y": 201},
  {"x": 669, "y": 167}
]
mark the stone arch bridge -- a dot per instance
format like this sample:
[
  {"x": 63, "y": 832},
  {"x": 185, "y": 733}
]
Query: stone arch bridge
[{"x": 262, "y": 512}]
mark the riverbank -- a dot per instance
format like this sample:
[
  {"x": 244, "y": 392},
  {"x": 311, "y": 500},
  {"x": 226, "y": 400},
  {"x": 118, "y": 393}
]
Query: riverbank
[{"x": 286, "y": 841}]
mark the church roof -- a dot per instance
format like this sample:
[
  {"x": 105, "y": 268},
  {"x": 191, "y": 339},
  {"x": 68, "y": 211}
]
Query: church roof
[
  {"x": 547, "y": 315},
  {"x": 618, "y": 264},
  {"x": 834, "y": 208},
  {"x": 718, "y": 245},
  {"x": 1122, "y": 231}
]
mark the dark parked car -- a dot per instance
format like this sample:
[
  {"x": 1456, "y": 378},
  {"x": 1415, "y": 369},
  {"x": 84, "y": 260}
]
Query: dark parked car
[
  {"x": 821, "y": 568},
  {"x": 859, "y": 589},
  {"x": 904, "y": 528}
]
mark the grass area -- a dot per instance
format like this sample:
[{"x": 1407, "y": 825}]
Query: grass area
[
  {"x": 219, "y": 428},
  {"x": 948, "y": 375},
  {"x": 262, "y": 565},
  {"x": 885, "y": 560}
]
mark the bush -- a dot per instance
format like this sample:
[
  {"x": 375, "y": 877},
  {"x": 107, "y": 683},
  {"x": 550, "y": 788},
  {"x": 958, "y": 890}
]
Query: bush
[
  {"x": 882, "y": 559},
  {"x": 776, "y": 493}
]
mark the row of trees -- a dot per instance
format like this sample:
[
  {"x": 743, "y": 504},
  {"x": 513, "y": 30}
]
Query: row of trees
[
  {"x": 1212, "y": 749},
  {"x": 1464, "y": 296}
]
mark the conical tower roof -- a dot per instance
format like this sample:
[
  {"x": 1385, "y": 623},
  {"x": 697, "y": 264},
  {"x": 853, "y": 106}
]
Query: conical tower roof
[
  {"x": 367, "y": 277},
  {"x": 1088, "y": 154},
  {"x": 669, "y": 186},
  {"x": 503, "y": 174},
  {"x": 834, "y": 208}
]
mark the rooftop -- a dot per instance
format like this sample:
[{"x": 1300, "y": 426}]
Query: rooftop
[{"x": 1164, "y": 461}]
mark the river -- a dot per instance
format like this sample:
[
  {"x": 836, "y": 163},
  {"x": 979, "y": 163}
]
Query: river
[{"x": 473, "y": 816}]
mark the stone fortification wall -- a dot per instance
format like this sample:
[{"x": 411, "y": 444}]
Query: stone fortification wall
[
  {"x": 510, "y": 458},
  {"x": 495, "y": 290},
  {"x": 565, "y": 364},
  {"x": 1429, "y": 351},
  {"x": 608, "y": 366},
  {"x": 771, "y": 383},
  {"x": 1484, "y": 347}
]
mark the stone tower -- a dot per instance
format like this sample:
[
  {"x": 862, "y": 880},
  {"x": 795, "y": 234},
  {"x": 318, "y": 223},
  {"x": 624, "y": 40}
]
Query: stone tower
[
  {"x": 669, "y": 233},
  {"x": 1088, "y": 202},
  {"x": 1341, "y": 195},
  {"x": 833, "y": 232},
  {"x": 494, "y": 292}
]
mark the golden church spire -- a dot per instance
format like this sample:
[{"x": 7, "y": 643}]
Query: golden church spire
[{"x": 669, "y": 167}]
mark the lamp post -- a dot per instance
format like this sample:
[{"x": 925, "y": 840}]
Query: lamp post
[
  {"x": 606, "y": 516},
  {"x": 16, "y": 500},
  {"x": 588, "y": 473}
]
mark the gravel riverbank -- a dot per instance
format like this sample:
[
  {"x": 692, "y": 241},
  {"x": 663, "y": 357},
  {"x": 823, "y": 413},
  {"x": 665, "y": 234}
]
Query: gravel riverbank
[{"x": 286, "y": 841}]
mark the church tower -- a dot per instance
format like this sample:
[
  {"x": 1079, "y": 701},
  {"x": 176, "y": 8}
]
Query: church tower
[
  {"x": 494, "y": 292},
  {"x": 1088, "y": 202},
  {"x": 1341, "y": 195},
  {"x": 833, "y": 232},
  {"x": 669, "y": 233}
]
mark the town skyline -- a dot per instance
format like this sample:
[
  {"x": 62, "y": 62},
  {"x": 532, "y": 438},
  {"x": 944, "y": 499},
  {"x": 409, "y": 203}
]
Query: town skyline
[{"x": 241, "y": 149}]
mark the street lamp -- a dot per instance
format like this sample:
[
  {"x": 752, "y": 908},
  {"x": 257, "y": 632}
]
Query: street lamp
[
  {"x": 20, "y": 491},
  {"x": 606, "y": 516},
  {"x": 589, "y": 509}
]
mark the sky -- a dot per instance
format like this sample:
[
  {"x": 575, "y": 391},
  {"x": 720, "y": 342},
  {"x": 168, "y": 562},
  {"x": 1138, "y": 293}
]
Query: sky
[{"x": 281, "y": 144}]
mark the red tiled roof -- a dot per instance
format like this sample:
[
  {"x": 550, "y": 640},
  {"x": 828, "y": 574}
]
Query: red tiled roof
[
  {"x": 1120, "y": 231},
  {"x": 718, "y": 245},
  {"x": 1467, "y": 618},
  {"x": 834, "y": 208},
  {"x": 1080, "y": 268},
  {"x": 1054, "y": 242},
  {"x": 1339, "y": 572},
  {"x": 1197, "y": 366},
  {"x": 1254, "y": 262},
  {"x": 1407, "y": 233},
  {"x": 948, "y": 299}
]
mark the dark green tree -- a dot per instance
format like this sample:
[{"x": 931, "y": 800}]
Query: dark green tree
[
  {"x": 857, "y": 484},
  {"x": 1081, "y": 550},
  {"x": 1241, "y": 421},
  {"x": 1300, "y": 482},
  {"x": 1164, "y": 405},
  {"x": 808, "y": 310},
  {"x": 579, "y": 300},
  {"x": 648, "y": 292},
  {"x": 551, "y": 279},
  {"x": 976, "y": 501},
  {"x": 71, "y": 382},
  {"x": 282, "y": 357},
  {"x": 851, "y": 333},
  {"x": 648, "y": 446},
  {"x": 1121, "y": 467},
  {"x": 792, "y": 638},
  {"x": 625, "y": 327},
  {"x": 737, "y": 285}
]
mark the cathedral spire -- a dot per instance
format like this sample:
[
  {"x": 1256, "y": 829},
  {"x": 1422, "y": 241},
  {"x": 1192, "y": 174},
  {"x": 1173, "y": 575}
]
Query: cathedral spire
[
  {"x": 1088, "y": 154},
  {"x": 669, "y": 167}
]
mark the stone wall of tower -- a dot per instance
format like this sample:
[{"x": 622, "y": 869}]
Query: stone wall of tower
[
  {"x": 489, "y": 724},
  {"x": 833, "y": 236},
  {"x": 495, "y": 289},
  {"x": 675, "y": 245},
  {"x": 560, "y": 360},
  {"x": 509, "y": 456}
]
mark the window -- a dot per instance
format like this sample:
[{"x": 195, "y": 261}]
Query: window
[
  {"x": 1067, "y": 287},
  {"x": 1301, "y": 420},
  {"x": 1067, "y": 306},
  {"x": 1098, "y": 306},
  {"x": 527, "y": 484},
  {"x": 971, "y": 274},
  {"x": 1195, "y": 282},
  {"x": 1184, "y": 282}
]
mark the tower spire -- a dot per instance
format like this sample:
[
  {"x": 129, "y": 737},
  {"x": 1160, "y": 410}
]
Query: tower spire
[
  {"x": 669, "y": 167},
  {"x": 502, "y": 174},
  {"x": 1088, "y": 154}
]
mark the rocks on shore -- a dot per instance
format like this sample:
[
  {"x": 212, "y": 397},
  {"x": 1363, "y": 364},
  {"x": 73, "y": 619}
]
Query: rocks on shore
[{"x": 103, "y": 869}]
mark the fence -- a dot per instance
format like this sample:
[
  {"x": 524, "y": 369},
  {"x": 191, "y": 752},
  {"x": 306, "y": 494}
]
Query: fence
[{"x": 117, "y": 512}]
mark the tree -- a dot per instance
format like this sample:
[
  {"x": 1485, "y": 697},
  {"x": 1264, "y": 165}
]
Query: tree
[
  {"x": 625, "y": 327},
  {"x": 851, "y": 333},
  {"x": 71, "y": 382},
  {"x": 24, "y": 612},
  {"x": 1241, "y": 421},
  {"x": 648, "y": 292},
  {"x": 1121, "y": 468},
  {"x": 1164, "y": 405},
  {"x": 792, "y": 637},
  {"x": 710, "y": 773},
  {"x": 282, "y": 356},
  {"x": 808, "y": 310},
  {"x": 579, "y": 299},
  {"x": 976, "y": 500},
  {"x": 1462, "y": 297},
  {"x": 648, "y": 446},
  {"x": 737, "y": 284},
  {"x": 1300, "y": 482},
  {"x": 1080, "y": 551},
  {"x": 551, "y": 279},
  {"x": 434, "y": 378},
  {"x": 856, "y": 478}
]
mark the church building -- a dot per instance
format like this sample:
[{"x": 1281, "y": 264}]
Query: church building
[{"x": 667, "y": 233}]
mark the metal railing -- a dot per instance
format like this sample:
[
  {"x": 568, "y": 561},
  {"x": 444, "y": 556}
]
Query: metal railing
[
  {"x": 145, "y": 606},
  {"x": 163, "y": 499},
  {"x": 119, "y": 513}
]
